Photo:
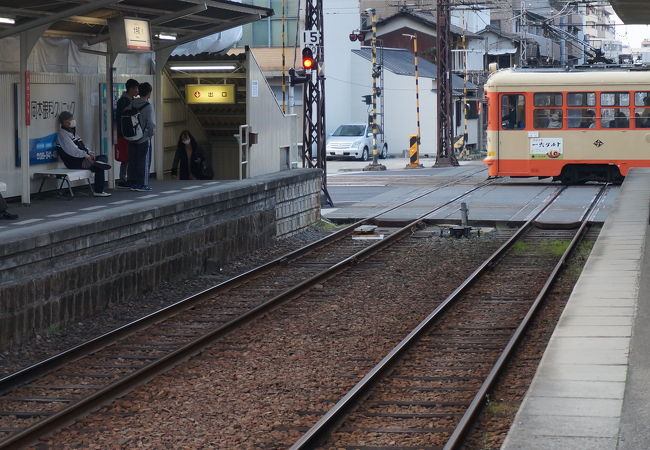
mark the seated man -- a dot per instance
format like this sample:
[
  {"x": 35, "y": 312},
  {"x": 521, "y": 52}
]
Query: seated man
[
  {"x": 4, "y": 214},
  {"x": 75, "y": 154}
]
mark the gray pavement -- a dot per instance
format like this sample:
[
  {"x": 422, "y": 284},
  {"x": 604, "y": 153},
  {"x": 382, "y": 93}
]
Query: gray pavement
[{"x": 358, "y": 195}]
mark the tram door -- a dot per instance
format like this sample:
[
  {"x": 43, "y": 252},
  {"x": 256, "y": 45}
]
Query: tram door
[{"x": 512, "y": 152}]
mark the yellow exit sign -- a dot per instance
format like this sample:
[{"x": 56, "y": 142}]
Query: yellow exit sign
[{"x": 210, "y": 93}]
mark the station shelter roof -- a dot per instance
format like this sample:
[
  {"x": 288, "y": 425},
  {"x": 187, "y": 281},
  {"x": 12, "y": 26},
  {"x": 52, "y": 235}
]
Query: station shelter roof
[
  {"x": 632, "y": 11},
  {"x": 187, "y": 20}
]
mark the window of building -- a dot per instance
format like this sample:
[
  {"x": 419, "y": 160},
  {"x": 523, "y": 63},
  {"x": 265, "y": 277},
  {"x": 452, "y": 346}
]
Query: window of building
[{"x": 513, "y": 108}]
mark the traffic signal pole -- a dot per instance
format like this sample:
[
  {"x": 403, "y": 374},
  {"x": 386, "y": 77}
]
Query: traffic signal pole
[
  {"x": 375, "y": 75},
  {"x": 314, "y": 131}
]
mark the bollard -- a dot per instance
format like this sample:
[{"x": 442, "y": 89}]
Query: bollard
[{"x": 464, "y": 214}]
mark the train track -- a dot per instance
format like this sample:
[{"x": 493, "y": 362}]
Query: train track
[
  {"x": 427, "y": 390},
  {"x": 49, "y": 395}
]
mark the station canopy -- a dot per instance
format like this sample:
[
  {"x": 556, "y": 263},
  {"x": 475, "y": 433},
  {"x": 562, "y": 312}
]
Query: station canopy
[
  {"x": 632, "y": 12},
  {"x": 179, "y": 20}
]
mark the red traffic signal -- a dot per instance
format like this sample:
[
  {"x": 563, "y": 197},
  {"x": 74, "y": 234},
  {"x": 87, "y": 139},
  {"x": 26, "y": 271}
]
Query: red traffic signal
[{"x": 308, "y": 61}]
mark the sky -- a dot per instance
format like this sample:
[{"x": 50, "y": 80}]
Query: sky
[{"x": 632, "y": 34}]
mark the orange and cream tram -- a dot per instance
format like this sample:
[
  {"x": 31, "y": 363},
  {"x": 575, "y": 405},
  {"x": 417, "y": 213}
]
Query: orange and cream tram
[{"x": 574, "y": 126}]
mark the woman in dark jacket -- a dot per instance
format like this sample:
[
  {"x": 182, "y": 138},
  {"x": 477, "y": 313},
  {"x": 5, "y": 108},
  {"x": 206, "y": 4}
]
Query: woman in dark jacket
[{"x": 193, "y": 164}]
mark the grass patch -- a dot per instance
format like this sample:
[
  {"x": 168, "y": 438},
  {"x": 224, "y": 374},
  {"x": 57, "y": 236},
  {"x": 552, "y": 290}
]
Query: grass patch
[
  {"x": 326, "y": 225},
  {"x": 53, "y": 330},
  {"x": 501, "y": 409},
  {"x": 579, "y": 258},
  {"x": 555, "y": 248}
]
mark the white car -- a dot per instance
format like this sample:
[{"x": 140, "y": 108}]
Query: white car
[{"x": 354, "y": 140}]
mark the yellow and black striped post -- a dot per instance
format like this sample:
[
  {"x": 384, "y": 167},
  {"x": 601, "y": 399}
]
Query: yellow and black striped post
[{"x": 414, "y": 144}]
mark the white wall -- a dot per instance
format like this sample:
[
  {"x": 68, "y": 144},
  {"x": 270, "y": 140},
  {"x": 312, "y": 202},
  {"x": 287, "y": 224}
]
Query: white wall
[
  {"x": 399, "y": 98},
  {"x": 472, "y": 20},
  {"x": 343, "y": 100},
  {"x": 265, "y": 117}
]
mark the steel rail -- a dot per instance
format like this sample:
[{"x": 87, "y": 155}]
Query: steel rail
[
  {"x": 47, "y": 365},
  {"x": 465, "y": 423},
  {"x": 125, "y": 384},
  {"x": 326, "y": 424}
]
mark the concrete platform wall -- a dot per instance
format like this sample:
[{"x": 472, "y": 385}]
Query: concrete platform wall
[{"x": 75, "y": 269}]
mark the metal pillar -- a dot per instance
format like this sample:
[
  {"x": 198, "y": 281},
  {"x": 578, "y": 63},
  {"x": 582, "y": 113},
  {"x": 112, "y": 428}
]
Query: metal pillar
[
  {"x": 158, "y": 149},
  {"x": 314, "y": 131},
  {"x": 28, "y": 40},
  {"x": 445, "y": 152},
  {"x": 110, "y": 62}
]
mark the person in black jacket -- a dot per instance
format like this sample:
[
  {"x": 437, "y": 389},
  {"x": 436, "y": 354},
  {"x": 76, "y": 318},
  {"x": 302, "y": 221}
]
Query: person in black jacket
[
  {"x": 191, "y": 159},
  {"x": 4, "y": 214},
  {"x": 122, "y": 145}
]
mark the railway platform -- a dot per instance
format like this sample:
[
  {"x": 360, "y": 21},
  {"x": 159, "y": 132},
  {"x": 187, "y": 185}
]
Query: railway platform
[
  {"x": 591, "y": 389},
  {"x": 65, "y": 259}
]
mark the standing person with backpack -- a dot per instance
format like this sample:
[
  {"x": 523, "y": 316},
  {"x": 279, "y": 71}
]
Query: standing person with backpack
[
  {"x": 122, "y": 146},
  {"x": 144, "y": 126}
]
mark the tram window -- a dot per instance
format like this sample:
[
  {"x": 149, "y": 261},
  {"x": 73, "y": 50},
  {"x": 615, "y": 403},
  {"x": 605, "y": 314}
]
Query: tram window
[
  {"x": 581, "y": 118},
  {"x": 615, "y": 118},
  {"x": 581, "y": 99},
  {"x": 513, "y": 108},
  {"x": 615, "y": 99},
  {"x": 547, "y": 118},
  {"x": 548, "y": 99},
  {"x": 642, "y": 115},
  {"x": 642, "y": 98}
]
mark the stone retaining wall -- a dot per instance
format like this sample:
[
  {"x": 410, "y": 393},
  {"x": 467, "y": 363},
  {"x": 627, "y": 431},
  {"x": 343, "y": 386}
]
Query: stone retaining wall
[{"x": 76, "y": 270}]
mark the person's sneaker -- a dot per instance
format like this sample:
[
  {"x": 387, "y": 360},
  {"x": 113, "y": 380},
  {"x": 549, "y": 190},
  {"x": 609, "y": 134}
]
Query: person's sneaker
[
  {"x": 101, "y": 165},
  {"x": 121, "y": 184},
  {"x": 101, "y": 194},
  {"x": 8, "y": 216},
  {"x": 145, "y": 189}
]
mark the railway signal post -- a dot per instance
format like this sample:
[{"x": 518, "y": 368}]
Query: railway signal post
[{"x": 376, "y": 72}]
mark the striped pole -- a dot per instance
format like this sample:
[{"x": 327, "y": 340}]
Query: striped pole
[
  {"x": 375, "y": 73},
  {"x": 415, "y": 147},
  {"x": 284, "y": 62}
]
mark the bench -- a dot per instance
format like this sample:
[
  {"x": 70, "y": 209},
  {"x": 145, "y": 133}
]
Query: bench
[{"x": 66, "y": 176}]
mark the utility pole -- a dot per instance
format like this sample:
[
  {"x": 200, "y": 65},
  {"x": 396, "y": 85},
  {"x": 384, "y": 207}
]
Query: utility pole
[
  {"x": 314, "y": 131},
  {"x": 523, "y": 45},
  {"x": 445, "y": 153},
  {"x": 376, "y": 73}
]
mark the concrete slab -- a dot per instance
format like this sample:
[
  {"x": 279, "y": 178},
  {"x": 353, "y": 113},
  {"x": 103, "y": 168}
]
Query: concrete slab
[
  {"x": 583, "y": 372},
  {"x": 584, "y": 389},
  {"x": 533, "y": 442}
]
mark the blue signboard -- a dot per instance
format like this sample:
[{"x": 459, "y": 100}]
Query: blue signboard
[{"x": 43, "y": 150}]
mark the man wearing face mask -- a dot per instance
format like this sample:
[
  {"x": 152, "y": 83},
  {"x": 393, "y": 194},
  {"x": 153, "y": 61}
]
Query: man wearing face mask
[{"x": 76, "y": 155}]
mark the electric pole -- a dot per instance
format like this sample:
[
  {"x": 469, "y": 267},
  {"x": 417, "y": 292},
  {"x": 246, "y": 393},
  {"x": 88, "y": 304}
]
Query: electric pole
[{"x": 445, "y": 153}]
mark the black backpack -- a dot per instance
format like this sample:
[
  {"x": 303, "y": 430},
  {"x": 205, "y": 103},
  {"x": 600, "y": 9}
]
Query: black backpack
[{"x": 130, "y": 122}]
